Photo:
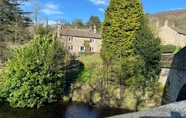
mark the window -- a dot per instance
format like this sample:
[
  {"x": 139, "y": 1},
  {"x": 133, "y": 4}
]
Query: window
[
  {"x": 92, "y": 49},
  {"x": 91, "y": 40},
  {"x": 70, "y": 39},
  {"x": 70, "y": 47}
]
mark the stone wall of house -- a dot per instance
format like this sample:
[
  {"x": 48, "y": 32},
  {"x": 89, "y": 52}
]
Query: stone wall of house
[
  {"x": 170, "y": 36},
  {"x": 79, "y": 41},
  {"x": 167, "y": 35}
]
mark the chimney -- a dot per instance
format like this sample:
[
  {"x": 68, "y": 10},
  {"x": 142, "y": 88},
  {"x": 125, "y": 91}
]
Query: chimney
[
  {"x": 94, "y": 28},
  {"x": 58, "y": 28},
  {"x": 90, "y": 28}
]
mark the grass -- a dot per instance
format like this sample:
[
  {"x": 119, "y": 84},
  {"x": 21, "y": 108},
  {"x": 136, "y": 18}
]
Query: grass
[
  {"x": 90, "y": 59},
  {"x": 88, "y": 88}
]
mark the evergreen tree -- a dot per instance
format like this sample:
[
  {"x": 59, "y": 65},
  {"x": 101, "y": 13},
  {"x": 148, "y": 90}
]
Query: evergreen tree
[
  {"x": 41, "y": 30},
  {"x": 35, "y": 73},
  {"x": 148, "y": 47},
  {"x": 94, "y": 20},
  {"x": 13, "y": 21},
  {"x": 122, "y": 20}
]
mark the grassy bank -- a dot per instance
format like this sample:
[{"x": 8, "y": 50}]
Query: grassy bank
[{"x": 88, "y": 87}]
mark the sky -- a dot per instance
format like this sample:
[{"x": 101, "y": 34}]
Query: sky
[{"x": 69, "y": 10}]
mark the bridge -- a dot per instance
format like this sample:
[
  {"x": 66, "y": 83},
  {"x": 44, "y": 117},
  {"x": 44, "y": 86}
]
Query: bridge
[
  {"x": 173, "y": 78},
  {"x": 173, "y": 75}
]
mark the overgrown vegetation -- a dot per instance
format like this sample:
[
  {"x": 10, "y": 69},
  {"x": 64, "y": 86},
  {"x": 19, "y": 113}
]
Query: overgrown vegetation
[
  {"x": 130, "y": 50},
  {"x": 13, "y": 25},
  {"x": 88, "y": 87},
  {"x": 35, "y": 74}
]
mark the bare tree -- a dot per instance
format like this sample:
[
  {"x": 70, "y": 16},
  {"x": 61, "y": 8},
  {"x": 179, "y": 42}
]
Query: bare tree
[{"x": 36, "y": 9}]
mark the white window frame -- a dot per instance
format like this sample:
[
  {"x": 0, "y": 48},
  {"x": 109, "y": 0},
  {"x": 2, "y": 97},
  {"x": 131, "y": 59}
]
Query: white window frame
[
  {"x": 71, "y": 47},
  {"x": 92, "y": 40},
  {"x": 92, "y": 49},
  {"x": 70, "y": 39}
]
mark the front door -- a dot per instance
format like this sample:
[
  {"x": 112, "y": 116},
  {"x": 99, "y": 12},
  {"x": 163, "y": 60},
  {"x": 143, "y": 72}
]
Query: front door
[{"x": 82, "y": 49}]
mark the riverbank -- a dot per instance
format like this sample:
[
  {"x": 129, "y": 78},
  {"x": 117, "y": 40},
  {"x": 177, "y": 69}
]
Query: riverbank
[{"x": 89, "y": 88}]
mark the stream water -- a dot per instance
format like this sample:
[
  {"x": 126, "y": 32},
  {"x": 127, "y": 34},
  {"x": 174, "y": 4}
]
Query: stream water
[{"x": 60, "y": 110}]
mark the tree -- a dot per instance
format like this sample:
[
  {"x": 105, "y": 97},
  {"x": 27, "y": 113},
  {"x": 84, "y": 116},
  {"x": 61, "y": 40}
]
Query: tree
[
  {"x": 41, "y": 30},
  {"x": 94, "y": 20},
  {"x": 36, "y": 9},
  {"x": 13, "y": 20},
  {"x": 35, "y": 73},
  {"x": 77, "y": 23},
  {"x": 13, "y": 23},
  {"x": 122, "y": 20},
  {"x": 148, "y": 47}
]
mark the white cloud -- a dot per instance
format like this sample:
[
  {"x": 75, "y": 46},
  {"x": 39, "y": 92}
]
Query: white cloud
[
  {"x": 102, "y": 10},
  {"x": 98, "y": 2},
  {"x": 52, "y": 6},
  {"x": 51, "y": 9},
  {"x": 51, "y": 22},
  {"x": 51, "y": 12}
]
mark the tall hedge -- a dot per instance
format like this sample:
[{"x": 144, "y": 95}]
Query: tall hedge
[{"x": 35, "y": 73}]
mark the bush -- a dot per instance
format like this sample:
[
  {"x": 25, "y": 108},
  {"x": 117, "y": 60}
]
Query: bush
[
  {"x": 168, "y": 48},
  {"x": 35, "y": 73}
]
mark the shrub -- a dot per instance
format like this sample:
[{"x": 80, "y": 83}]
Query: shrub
[
  {"x": 35, "y": 73},
  {"x": 168, "y": 48}
]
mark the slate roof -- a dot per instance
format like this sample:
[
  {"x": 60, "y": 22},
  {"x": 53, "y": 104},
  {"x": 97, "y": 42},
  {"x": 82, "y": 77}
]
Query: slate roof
[
  {"x": 178, "y": 30},
  {"x": 84, "y": 33}
]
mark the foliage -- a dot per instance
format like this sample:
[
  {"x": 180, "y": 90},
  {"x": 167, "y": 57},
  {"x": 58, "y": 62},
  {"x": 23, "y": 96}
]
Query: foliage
[
  {"x": 94, "y": 20},
  {"x": 35, "y": 73},
  {"x": 13, "y": 24},
  {"x": 134, "y": 69},
  {"x": 77, "y": 23},
  {"x": 148, "y": 47},
  {"x": 41, "y": 30},
  {"x": 86, "y": 42},
  {"x": 13, "y": 21},
  {"x": 122, "y": 20},
  {"x": 168, "y": 48}
]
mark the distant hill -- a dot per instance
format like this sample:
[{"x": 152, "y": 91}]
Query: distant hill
[
  {"x": 176, "y": 18},
  {"x": 168, "y": 13}
]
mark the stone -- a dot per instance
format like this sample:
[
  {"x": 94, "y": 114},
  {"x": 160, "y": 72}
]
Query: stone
[{"x": 173, "y": 110}]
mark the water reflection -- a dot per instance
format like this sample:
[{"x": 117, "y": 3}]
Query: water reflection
[{"x": 59, "y": 110}]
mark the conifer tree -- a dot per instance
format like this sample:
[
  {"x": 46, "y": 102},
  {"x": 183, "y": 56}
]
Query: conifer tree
[
  {"x": 119, "y": 27},
  {"x": 148, "y": 47},
  {"x": 122, "y": 20},
  {"x": 13, "y": 21}
]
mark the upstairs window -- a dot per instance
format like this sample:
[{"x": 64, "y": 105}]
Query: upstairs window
[
  {"x": 70, "y": 47},
  {"x": 91, "y": 40},
  {"x": 70, "y": 39}
]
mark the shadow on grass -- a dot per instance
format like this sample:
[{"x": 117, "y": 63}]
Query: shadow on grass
[{"x": 73, "y": 71}]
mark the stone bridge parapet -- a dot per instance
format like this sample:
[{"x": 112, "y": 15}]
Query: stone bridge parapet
[{"x": 173, "y": 75}]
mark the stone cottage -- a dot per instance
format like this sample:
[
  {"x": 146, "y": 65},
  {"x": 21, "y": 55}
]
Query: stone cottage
[
  {"x": 171, "y": 35},
  {"x": 75, "y": 39}
]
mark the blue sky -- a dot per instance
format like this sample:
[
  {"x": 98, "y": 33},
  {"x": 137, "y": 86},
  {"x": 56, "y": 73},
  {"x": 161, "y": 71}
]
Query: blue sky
[{"x": 70, "y": 10}]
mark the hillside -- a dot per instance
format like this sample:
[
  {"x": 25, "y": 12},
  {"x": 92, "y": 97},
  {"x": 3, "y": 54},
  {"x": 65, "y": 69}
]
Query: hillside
[
  {"x": 176, "y": 18},
  {"x": 168, "y": 13}
]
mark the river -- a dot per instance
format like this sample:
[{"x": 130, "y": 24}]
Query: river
[{"x": 60, "y": 110}]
